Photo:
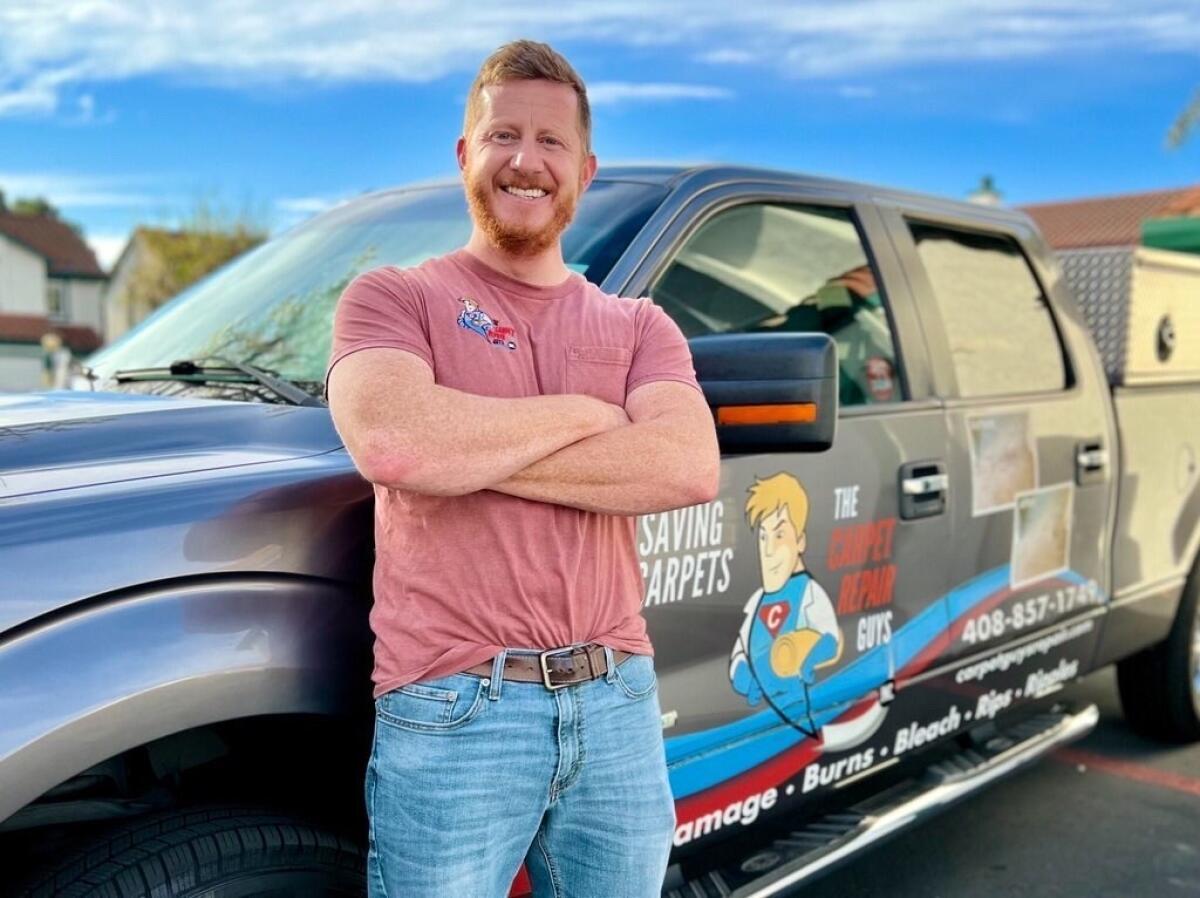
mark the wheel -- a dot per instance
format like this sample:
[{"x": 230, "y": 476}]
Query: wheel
[
  {"x": 1160, "y": 686},
  {"x": 217, "y": 852}
]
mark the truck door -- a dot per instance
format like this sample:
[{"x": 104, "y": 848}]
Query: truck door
[
  {"x": 1027, "y": 425},
  {"x": 781, "y": 611}
]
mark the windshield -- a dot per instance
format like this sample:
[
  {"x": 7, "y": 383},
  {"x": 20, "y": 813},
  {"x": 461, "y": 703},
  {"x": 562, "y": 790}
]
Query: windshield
[{"x": 273, "y": 307}]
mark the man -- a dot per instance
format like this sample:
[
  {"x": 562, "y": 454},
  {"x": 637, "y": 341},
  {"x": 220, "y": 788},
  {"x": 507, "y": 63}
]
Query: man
[{"x": 517, "y": 717}]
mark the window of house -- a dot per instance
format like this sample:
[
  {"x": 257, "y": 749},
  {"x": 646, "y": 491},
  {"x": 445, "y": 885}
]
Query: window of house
[
  {"x": 1001, "y": 333},
  {"x": 56, "y": 300},
  {"x": 766, "y": 267}
]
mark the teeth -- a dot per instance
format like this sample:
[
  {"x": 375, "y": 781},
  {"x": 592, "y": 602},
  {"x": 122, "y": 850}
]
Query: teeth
[{"x": 528, "y": 194}]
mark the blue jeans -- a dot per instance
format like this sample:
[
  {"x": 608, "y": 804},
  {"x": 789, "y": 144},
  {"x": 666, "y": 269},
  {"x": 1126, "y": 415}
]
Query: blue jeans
[{"x": 469, "y": 776}]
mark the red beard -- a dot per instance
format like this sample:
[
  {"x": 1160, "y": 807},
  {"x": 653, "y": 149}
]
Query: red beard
[{"x": 516, "y": 240}]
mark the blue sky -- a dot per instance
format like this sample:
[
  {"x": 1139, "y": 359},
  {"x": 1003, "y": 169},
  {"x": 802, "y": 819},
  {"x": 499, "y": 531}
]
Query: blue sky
[{"x": 124, "y": 112}]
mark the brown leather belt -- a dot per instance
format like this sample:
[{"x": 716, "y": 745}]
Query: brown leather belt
[{"x": 555, "y": 668}]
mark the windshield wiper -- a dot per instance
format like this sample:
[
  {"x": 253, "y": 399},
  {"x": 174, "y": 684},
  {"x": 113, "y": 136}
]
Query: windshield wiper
[{"x": 191, "y": 370}]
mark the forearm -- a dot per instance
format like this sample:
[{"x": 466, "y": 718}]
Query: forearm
[
  {"x": 451, "y": 442},
  {"x": 643, "y": 467}
]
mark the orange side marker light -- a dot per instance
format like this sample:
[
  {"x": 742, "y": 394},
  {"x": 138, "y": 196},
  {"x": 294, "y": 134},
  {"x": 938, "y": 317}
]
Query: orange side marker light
[{"x": 791, "y": 413}]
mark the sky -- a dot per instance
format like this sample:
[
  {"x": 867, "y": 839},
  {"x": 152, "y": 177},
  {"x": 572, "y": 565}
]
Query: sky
[{"x": 125, "y": 112}]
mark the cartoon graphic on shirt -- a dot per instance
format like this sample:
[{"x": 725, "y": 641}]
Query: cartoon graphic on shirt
[
  {"x": 790, "y": 630},
  {"x": 475, "y": 319}
]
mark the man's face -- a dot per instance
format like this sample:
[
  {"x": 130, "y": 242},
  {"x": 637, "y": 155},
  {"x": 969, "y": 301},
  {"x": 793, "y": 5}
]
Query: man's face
[
  {"x": 526, "y": 137},
  {"x": 779, "y": 548}
]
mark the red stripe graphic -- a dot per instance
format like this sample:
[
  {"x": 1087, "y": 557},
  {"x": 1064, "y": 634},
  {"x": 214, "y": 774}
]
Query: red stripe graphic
[{"x": 769, "y": 773}]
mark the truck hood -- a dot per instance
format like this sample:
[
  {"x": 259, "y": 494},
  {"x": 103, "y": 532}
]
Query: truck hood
[{"x": 64, "y": 439}]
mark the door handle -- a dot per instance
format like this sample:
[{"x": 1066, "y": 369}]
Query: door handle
[
  {"x": 923, "y": 489},
  {"x": 1091, "y": 460},
  {"x": 930, "y": 483}
]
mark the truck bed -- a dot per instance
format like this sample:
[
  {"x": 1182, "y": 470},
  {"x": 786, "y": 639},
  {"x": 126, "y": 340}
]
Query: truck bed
[{"x": 1143, "y": 309}]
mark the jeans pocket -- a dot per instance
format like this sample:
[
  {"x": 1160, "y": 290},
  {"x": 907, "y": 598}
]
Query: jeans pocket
[
  {"x": 444, "y": 703},
  {"x": 635, "y": 675}
]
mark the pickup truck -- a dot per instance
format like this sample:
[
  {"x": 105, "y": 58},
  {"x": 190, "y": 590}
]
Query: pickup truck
[{"x": 939, "y": 504}]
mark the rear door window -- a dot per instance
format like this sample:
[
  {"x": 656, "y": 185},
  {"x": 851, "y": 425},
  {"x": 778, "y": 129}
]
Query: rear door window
[{"x": 1002, "y": 335}]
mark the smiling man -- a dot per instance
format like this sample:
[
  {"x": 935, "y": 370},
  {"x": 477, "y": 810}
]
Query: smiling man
[{"x": 514, "y": 419}]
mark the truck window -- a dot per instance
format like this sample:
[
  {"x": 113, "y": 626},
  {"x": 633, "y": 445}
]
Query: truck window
[
  {"x": 1001, "y": 333},
  {"x": 774, "y": 267}
]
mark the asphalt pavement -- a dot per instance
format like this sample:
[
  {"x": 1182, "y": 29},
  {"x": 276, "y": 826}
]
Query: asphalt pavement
[{"x": 1112, "y": 816}]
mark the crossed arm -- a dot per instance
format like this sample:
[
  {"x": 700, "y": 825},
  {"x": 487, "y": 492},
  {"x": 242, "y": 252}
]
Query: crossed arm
[{"x": 406, "y": 432}]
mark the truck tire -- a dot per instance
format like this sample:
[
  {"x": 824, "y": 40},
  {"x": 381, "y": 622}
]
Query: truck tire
[
  {"x": 1160, "y": 686},
  {"x": 220, "y": 852}
]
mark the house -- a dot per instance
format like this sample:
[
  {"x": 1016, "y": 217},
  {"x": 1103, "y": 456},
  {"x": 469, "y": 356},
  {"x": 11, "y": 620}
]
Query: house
[
  {"x": 51, "y": 287},
  {"x": 1133, "y": 263},
  {"x": 156, "y": 264},
  {"x": 1163, "y": 219}
]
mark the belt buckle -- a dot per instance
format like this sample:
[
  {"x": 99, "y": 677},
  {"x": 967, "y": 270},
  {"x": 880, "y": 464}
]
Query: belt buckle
[{"x": 546, "y": 671}]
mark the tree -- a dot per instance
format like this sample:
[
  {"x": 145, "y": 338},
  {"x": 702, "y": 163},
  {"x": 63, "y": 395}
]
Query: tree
[
  {"x": 177, "y": 259},
  {"x": 1188, "y": 119},
  {"x": 208, "y": 236},
  {"x": 36, "y": 205}
]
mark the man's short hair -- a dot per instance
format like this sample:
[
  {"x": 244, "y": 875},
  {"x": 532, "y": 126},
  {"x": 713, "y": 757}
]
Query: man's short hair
[{"x": 528, "y": 60}]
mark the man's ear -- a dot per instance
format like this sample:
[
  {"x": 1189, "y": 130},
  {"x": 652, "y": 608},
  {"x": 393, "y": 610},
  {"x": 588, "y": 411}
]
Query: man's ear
[
  {"x": 589, "y": 171},
  {"x": 460, "y": 150},
  {"x": 802, "y": 544}
]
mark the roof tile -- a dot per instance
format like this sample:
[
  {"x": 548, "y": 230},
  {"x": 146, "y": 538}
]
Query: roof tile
[
  {"x": 66, "y": 253},
  {"x": 1109, "y": 220}
]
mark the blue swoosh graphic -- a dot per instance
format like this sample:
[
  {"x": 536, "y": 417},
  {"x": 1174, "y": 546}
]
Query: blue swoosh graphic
[{"x": 700, "y": 760}]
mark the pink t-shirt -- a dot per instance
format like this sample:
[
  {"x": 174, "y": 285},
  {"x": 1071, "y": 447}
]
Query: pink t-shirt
[{"x": 457, "y": 578}]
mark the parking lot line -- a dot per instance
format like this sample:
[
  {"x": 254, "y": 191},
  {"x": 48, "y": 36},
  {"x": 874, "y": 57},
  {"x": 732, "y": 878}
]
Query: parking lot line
[{"x": 1130, "y": 770}]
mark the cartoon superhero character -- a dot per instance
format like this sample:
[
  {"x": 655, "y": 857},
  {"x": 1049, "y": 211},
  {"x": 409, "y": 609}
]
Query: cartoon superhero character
[
  {"x": 790, "y": 630},
  {"x": 475, "y": 319}
]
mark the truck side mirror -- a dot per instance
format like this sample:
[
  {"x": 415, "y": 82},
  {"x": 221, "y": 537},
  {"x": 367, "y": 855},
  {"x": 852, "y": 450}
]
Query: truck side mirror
[{"x": 770, "y": 392}]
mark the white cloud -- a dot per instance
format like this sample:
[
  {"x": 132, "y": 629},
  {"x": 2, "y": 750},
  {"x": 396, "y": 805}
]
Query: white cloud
[
  {"x": 291, "y": 210},
  {"x": 54, "y": 48},
  {"x": 856, "y": 92},
  {"x": 305, "y": 205},
  {"x": 64, "y": 190},
  {"x": 36, "y": 92},
  {"x": 607, "y": 93},
  {"x": 107, "y": 247},
  {"x": 86, "y": 113},
  {"x": 729, "y": 56}
]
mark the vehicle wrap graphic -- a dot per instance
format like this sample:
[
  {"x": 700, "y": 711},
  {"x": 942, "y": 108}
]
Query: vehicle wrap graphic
[
  {"x": 790, "y": 630},
  {"x": 714, "y": 770}
]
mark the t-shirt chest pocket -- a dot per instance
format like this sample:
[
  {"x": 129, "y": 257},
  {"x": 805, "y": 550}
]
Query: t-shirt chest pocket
[{"x": 599, "y": 371}]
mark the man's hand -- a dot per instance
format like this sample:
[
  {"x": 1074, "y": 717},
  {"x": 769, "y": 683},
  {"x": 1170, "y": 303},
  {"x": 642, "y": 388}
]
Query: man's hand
[
  {"x": 666, "y": 457},
  {"x": 615, "y": 416},
  {"x": 406, "y": 432}
]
